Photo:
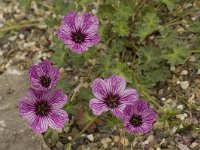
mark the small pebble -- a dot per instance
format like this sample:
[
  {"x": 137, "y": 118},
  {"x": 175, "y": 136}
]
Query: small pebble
[
  {"x": 69, "y": 138},
  {"x": 163, "y": 99},
  {"x": 192, "y": 58},
  {"x": 184, "y": 85},
  {"x": 180, "y": 107},
  {"x": 124, "y": 141},
  {"x": 172, "y": 68},
  {"x": 183, "y": 147},
  {"x": 193, "y": 145},
  {"x": 59, "y": 145},
  {"x": 184, "y": 72},
  {"x": 66, "y": 129},
  {"x": 12, "y": 38},
  {"x": 116, "y": 138},
  {"x": 21, "y": 36},
  {"x": 181, "y": 116},
  {"x": 198, "y": 71},
  {"x": 90, "y": 137}
]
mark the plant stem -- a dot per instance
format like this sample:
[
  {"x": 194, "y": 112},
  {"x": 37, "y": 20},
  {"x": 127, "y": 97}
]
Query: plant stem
[
  {"x": 21, "y": 25},
  {"x": 148, "y": 96},
  {"x": 84, "y": 129},
  {"x": 152, "y": 100},
  {"x": 195, "y": 51}
]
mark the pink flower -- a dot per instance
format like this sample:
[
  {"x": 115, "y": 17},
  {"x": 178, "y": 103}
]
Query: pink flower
[
  {"x": 43, "y": 109},
  {"x": 138, "y": 117},
  {"x": 43, "y": 75},
  {"x": 79, "y": 32},
  {"x": 110, "y": 94}
]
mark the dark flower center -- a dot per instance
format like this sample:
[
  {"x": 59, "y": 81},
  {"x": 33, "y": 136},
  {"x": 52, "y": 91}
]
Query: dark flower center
[
  {"x": 112, "y": 101},
  {"x": 45, "y": 81},
  {"x": 78, "y": 36},
  {"x": 42, "y": 108},
  {"x": 136, "y": 120}
]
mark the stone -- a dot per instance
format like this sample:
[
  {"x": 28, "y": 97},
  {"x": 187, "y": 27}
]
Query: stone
[
  {"x": 90, "y": 137},
  {"x": 59, "y": 145},
  {"x": 15, "y": 133},
  {"x": 12, "y": 38},
  {"x": 181, "y": 116},
  {"x": 105, "y": 142},
  {"x": 180, "y": 107},
  {"x": 172, "y": 68},
  {"x": 193, "y": 145},
  {"x": 69, "y": 138},
  {"x": 183, "y": 147},
  {"x": 192, "y": 58},
  {"x": 116, "y": 138},
  {"x": 184, "y": 72},
  {"x": 198, "y": 71},
  {"x": 184, "y": 85},
  {"x": 21, "y": 36},
  {"x": 124, "y": 141}
]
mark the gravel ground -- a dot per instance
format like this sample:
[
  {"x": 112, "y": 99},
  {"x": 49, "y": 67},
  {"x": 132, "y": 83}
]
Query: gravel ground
[{"x": 28, "y": 45}]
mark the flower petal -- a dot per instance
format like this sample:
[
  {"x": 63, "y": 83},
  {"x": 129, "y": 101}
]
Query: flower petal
[
  {"x": 116, "y": 84},
  {"x": 129, "y": 96},
  {"x": 57, "y": 118},
  {"x": 90, "y": 24},
  {"x": 54, "y": 74},
  {"x": 92, "y": 40},
  {"x": 55, "y": 97},
  {"x": 79, "y": 20},
  {"x": 130, "y": 127},
  {"x": 144, "y": 128},
  {"x": 39, "y": 124},
  {"x": 34, "y": 95},
  {"x": 148, "y": 115},
  {"x": 68, "y": 21},
  {"x": 139, "y": 107},
  {"x": 79, "y": 48},
  {"x": 97, "y": 106},
  {"x": 128, "y": 112},
  {"x": 26, "y": 108},
  {"x": 64, "y": 35},
  {"x": 118, "y": 112},
  {"x": 99, "y": 88}
]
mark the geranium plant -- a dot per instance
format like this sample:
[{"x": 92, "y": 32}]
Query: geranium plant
[{"x": 110, "y": 44}]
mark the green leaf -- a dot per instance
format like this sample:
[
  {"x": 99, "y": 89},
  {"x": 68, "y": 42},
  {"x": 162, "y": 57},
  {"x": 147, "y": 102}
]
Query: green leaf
[
  {"x": 48, "y": 133},
  {"x": 149, "y": 24},
  {"x": 25, "y": 4},
  {"x": 149, "y": 57},
  {"x": 123, "y": 70},
  {"x": 122, "y": 28},
  {"x": 157, "y": 74},
  {"x": 85, "y": 93},
  {"x": 63, "y": 84},
  {"x": 112, "y": 121},
  {"x": 177, "y": 55},
  {"x": 168, "y": 38},
  {"x": 195, "y": 27},
  {"x": 85, "y": 2},
  {"x": 54, "y": 137},
  {"x": 106, "y": 12},
  {"x": 59, "y": 57},
  {"x": 171, "y": 4},
  {"x": 62, "y": 7},
  {"x": 123, "y": 12},
  {"x": 71, "y": 108}
]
